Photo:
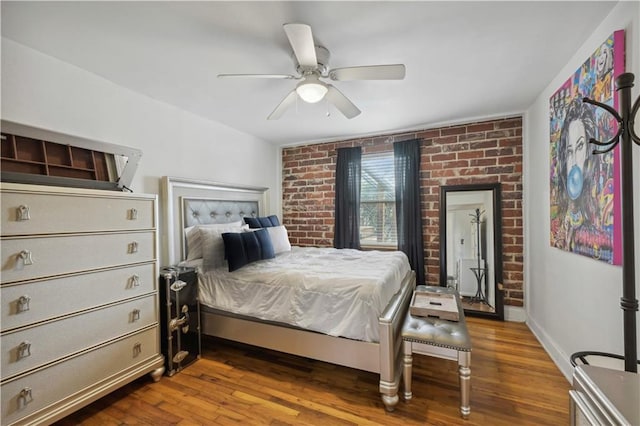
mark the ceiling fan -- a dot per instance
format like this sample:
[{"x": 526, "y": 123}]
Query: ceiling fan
[{"x": 313, "y": 66}]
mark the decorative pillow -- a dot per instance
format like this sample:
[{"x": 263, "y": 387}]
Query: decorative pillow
[
  {"x": 194, "y": 242},
  {"x": 279, "y": 239},
  {"x": 242, "y": 248},
  {"x": 262, "y": 222},
  {"x": 266, "y": 246},
  {"x": 213, "y": 255}
]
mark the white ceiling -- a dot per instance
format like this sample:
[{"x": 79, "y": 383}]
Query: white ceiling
[{"x": 464, "y": 60}]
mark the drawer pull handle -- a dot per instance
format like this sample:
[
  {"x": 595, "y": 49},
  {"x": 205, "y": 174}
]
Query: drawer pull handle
[
  {"x": 137, "y": 349},
  {"x": 25, "y": 397},
  {"x": 23, "y": 303},
  {"x": 133, "y": 247},
  {"x": 135, "y": 315},
  {"x": 134, "y": 281},
  {"x": 133, "y": 214},
  {"x": 23, "y": 213},
  {"x": 24, "y": 350},
  {"x": 26, "y": 257}
]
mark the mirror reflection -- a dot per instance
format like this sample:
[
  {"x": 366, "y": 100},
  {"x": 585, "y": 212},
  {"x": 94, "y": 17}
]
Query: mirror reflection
[{"x": 469, "y": 240}]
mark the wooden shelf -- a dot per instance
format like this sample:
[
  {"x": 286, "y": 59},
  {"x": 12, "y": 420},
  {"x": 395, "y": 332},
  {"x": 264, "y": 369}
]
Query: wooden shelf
[{"x": 32, "y": 156}]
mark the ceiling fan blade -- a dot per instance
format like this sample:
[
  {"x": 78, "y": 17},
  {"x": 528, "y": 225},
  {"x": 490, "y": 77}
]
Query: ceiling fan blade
[
  {"x": 341, "y": 102},
  {"x": 301, "y": 40},
  {"x": 283, "y": 105},
  {"x": 284, "y": 76},
  {"x": 371, "y": 72}
]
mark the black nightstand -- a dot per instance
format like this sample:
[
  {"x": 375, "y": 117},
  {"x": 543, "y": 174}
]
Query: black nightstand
[{"x": 180, "y": 318}]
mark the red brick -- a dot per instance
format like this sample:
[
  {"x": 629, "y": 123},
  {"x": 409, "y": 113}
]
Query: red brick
[
  {"x": 442, "y": 157},
  {"x": 428, "y": 134},
  {"x": 516, "y": 142},
  {"x": 446, "y": 140},
  {"x": 447, "y": 131},
  {"x": 470, "y": 154},
  {"x": 483, "y": 162},
  {"x": 506, "y": 124},
  {"x": 481, "y": 127},
  {"x": 491, "y": 143},
  {"x": 510, "y": 159},
  {"x": 472, "y": 137},
  {"x": 505, "y": 133}
]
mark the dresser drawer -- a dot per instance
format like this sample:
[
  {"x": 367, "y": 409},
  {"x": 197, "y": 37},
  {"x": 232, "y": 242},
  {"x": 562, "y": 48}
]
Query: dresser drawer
[
  {"x": 26, "y": 395},
  {"x": 32, "y": 258},
  {"x": 31, "y": 302},
  {"x": 56, "y": 339},
  {"x": 28, "y": 213}
]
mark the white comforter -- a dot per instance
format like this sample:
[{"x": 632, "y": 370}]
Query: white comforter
[{"x": 336, "y": 292}]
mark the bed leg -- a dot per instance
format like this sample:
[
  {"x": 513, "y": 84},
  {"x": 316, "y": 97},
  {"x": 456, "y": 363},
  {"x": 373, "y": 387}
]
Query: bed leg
[
  {"x": 389, "y": 390},
  {"x": 390, "y": 401}
]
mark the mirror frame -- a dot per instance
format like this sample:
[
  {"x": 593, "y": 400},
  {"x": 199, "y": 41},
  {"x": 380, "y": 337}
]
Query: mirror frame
[{"x": 497, "y": 242}]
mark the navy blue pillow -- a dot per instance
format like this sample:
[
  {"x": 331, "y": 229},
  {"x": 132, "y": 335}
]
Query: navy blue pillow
[
  {"x": 262, "y": 222},
  {"x": 234, "y": 250},
  {"x": 242, "y": 248},
  {"x": 253, "y": 222},
  {"x": 274, "y": 220},
  {"x": 266, "y": 245}
]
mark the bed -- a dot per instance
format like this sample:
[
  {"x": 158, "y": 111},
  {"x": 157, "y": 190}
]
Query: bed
[{"x": 189, "y": 203}]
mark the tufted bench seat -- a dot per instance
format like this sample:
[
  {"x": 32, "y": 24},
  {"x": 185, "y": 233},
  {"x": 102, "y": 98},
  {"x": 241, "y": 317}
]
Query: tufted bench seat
[{"x": 439, "y": 338}]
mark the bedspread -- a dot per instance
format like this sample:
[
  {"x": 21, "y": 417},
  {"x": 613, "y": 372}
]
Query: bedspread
[{"x": 336, "y": 292}]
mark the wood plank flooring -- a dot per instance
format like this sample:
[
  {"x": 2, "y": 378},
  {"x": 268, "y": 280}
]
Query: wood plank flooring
[{"x": 513, "y": 382}]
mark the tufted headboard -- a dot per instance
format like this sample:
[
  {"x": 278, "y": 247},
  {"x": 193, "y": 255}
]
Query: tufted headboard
[
  {"x": 188, "y": 202},
  {"x": 199, "y": 211}
]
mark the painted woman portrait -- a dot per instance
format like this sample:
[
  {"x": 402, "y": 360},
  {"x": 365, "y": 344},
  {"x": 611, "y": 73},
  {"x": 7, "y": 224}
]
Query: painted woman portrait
[
  {"x": 584, "y": 187},
  {"x": 576, "y": 172}
]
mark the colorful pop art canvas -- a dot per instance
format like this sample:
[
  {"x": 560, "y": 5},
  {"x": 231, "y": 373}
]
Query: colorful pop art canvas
[{"x": 585, "y": 187}]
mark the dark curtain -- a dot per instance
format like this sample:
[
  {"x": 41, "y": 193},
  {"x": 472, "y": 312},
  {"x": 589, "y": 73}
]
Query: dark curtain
[
  {"x": 408, "y": 213},
  {"x": 347, "y": 219}
]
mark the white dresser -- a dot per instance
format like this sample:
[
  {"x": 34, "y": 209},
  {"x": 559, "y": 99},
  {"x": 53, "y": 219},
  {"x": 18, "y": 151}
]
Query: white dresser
[{"x": 79, "y": 313}]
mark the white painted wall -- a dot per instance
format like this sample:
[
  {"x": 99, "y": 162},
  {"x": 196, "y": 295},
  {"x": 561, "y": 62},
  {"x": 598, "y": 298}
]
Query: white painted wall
[
  {"x": 42, "y": 91},
  {"x": 572, "y": 302}
]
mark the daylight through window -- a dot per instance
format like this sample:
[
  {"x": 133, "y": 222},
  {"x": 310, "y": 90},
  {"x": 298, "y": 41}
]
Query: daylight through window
[{"x": 377, "y": 201}]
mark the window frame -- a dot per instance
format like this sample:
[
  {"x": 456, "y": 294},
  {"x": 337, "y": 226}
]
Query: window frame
[{"x": 366, "y": 174}]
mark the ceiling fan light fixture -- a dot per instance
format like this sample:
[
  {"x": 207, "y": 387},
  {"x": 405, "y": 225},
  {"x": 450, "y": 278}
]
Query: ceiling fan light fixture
[{"x": 311, "y": 89}]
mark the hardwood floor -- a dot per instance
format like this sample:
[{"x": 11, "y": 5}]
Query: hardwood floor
[{"x": 513, "y": 382}]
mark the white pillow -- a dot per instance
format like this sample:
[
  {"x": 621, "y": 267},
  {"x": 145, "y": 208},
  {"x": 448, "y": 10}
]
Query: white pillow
[
  {"x": 213, "y": 245},
  {"x": 279, "y": 238},
  {"x": 194, "y": 242}
]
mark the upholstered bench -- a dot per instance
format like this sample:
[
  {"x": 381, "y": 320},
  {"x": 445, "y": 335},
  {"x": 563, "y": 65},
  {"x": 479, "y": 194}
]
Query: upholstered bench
[{"x": 442, "y": 339}]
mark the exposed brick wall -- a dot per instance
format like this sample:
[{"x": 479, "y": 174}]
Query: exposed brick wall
[{"x": 481, "y": 152}]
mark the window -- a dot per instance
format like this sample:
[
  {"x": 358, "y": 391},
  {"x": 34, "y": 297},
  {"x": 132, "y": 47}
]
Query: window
[{"x": 378, "y": 201}]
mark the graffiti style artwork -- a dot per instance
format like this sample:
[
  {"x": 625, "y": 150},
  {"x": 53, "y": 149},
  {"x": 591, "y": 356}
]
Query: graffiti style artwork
[{"x": 584, "y": 191}]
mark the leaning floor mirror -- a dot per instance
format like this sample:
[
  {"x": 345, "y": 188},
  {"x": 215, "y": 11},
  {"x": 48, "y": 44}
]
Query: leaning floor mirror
[{"x": 471, "y": 246}]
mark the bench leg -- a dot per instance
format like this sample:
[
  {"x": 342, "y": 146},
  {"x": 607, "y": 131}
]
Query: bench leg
[
  {"x": 407, "y": 362},
  {"x": 464, "y": 370}
]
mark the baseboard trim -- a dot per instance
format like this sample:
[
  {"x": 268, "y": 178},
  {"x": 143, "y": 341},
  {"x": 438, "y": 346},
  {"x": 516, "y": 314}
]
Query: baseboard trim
[
  {"x": 515, "y": 314},
  {"x": 560, "y": 358}
]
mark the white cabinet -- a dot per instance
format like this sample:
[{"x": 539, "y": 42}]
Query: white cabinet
[{"x": 79, "y": 297}]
